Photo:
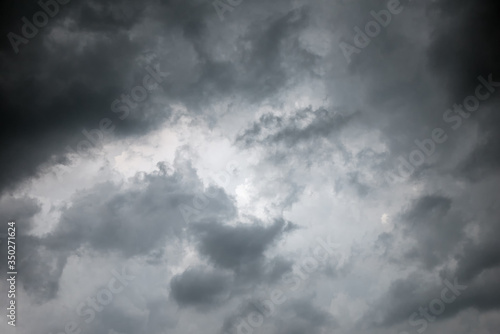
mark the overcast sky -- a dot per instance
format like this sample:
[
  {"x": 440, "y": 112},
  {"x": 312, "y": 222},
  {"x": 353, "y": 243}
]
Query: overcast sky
[{"x": 251, "y": 166}]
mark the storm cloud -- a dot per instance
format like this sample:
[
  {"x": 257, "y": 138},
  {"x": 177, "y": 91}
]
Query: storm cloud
[{"x": 176, "y": 166}]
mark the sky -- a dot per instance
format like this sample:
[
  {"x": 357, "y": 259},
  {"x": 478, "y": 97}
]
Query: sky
[{"x": 250, "y": 166}]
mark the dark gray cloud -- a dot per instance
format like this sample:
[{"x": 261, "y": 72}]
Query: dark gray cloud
[
  {"x": 434, "y": 234},
  {"x": 21, "y": 210},
  {"x": 307, "y": 133},
  {"x": 272, "y": 130},
  {"x": 200, "y": 287},
  {"x": 406, "y": 297},
  {"x": 109, "y": 217},
  {"x": 71, "y": 93},
  {"x": 99, "y": 63},
  {"x": 106, "y": 219},
  {"x": 300, "y": 317},
  {"x": 238, "y": 247}
]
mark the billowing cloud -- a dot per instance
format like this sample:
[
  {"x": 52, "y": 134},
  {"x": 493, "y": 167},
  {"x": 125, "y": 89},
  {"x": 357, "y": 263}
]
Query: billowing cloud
[{"x": 177, "y": 166}]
